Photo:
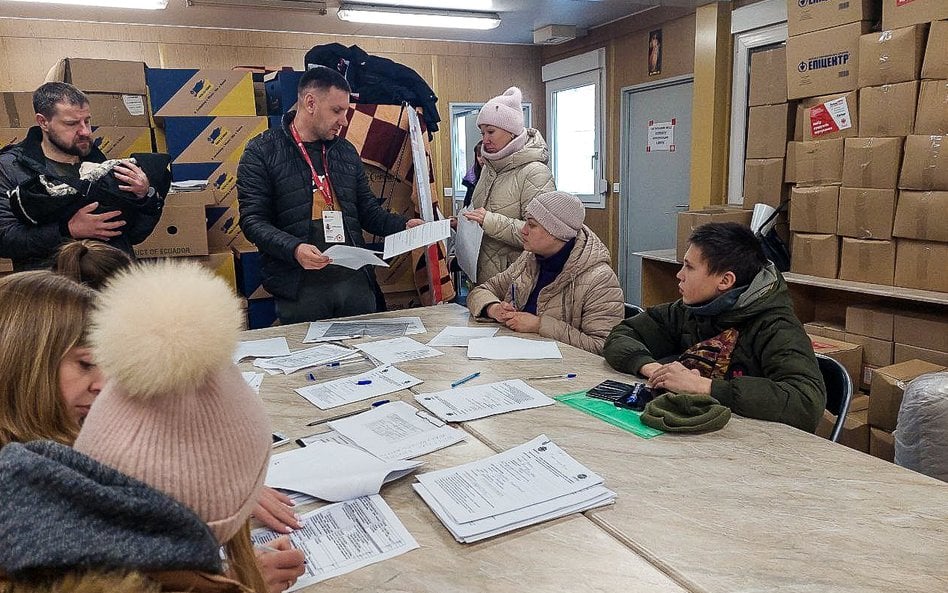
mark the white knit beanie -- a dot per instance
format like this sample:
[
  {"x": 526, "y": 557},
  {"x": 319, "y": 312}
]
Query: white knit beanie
[
  {"x": 504, "y": 112},
  {"x": 559, "y": 212},
  {"x": 175, "y": 412}
]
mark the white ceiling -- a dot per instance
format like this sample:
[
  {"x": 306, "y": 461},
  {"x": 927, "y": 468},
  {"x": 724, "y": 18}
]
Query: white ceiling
[{"x": 519, "y": 17}]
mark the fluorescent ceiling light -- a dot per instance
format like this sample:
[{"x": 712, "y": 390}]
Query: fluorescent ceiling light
[
  {"x": 444, "y": 4},
  {"x": 143, "y": 4},
  {"x": 417, "y": 17}
]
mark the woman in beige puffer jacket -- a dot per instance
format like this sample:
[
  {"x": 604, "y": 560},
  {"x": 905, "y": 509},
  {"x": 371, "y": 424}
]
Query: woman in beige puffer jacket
[{"x": 514, "y": 173}]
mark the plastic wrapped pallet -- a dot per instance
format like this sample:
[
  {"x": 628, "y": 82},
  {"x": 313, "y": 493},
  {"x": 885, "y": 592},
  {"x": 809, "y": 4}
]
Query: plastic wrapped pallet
[{"x": 921, "y": 439}]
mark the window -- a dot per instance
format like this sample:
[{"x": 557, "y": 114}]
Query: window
[{"x": 574, "y": 125}]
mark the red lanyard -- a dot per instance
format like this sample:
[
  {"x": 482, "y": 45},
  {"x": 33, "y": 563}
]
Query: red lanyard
[{"x": 321, "y": 183}]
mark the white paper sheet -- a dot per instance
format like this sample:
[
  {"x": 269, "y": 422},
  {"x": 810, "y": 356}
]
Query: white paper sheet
[
  {"x": 398, "y": 350},
  {"x": 309, "y": 357},
  {"x": 467, "y": 244},
  {"x": 460, "y": 336},
  {"x": 511, "y": 348},
  {"x": 330, "y": 436},
  {"x": 334, "y": 472},
  {"x": 479, "y": 401},
  {"x": 419, "y": 236},
  {"x": 353, "y": 258},
  {"x": 340, "y": 538},
  {"x": 529, "y": 474},
  {"x": 255, "y": 380},
  {"x": 327, "y": 331},
  {"x": 397, "y": 430},
  {"x": 338, "y": 392},
  {"x": 261, "y": 349}
]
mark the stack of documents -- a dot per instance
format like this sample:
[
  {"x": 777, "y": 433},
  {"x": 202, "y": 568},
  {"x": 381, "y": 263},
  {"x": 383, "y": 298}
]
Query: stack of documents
[
  {"x": 302, "y": 359},
  {"x": 480, "y": 401},
  {"x": 328, "y": 331},
  {"x": 342, "y": 537},
  {"x": 261, "y": 349},
  {"x": 528, "y": 484}
]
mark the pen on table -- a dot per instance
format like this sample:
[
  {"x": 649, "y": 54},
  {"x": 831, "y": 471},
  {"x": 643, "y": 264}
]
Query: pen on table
[
  {"x": 563, "y": 376},
  {"x": 337, "y": 417},
  {"x": 464, "y": 380}
]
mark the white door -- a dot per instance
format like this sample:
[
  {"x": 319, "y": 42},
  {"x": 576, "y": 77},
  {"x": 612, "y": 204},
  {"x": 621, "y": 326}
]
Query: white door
[{"x": 656, "y": 172}]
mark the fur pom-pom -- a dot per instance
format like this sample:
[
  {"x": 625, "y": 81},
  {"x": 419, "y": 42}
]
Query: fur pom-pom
[{"x": 164, "y": 327}]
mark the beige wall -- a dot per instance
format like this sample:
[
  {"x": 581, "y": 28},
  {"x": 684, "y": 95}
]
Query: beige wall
[
  {"x": 626, "y": 44},
  {"x": 456, "y": 71}
]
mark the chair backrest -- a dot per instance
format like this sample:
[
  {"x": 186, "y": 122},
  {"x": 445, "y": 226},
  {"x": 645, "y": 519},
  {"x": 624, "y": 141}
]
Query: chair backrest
[
  {"x": 632, "y": 310},
  {"x": 839, "y": 391}
]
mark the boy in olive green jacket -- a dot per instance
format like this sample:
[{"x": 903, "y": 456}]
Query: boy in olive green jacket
[{"x": 732, "y": 335}]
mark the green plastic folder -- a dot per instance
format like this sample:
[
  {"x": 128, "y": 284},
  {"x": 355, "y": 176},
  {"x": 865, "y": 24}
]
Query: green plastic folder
[{"x": 623, "y": 418}]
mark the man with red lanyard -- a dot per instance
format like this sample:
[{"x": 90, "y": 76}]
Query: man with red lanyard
[{"x": 301, "y": 188}]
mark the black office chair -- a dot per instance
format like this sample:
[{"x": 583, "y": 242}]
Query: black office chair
[
  {"x": 839, "y": 391},
  {"x": 632, "y": 310}
]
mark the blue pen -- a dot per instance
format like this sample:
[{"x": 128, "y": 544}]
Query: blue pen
[
  {"x": 311, "y": 377},
  {"x": 563, "y": 376},
  {"x": 364, "y": 382},
  {"x": 381, "y": 402},
  {"x": 464, "y": 380}
]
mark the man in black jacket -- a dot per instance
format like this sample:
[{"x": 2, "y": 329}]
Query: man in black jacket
[
  {"x": 295, "y": 183},
  {"x": 56, "y": 148}
]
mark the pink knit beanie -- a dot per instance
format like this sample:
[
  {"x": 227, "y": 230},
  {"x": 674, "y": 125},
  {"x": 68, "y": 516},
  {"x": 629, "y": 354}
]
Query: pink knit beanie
[
  {"x": 559, "y": 212},
  {"x": 504, "y": 112},
  {"x": 176, "y": 413}
]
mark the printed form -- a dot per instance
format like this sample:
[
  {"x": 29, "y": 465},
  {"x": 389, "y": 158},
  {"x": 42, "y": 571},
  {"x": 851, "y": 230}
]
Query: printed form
[
  {"x": 512, "y": 348},
  {"x": 419, "y": 236},
  {"x": 480, "y": 401},
  {"x": 338, "y": 392},
  {"x": 397, "y": 350},
  {"x": 327, "y": 331},
  {"x": 460, "y": 335},
  {"x": 261, "y": 349},
  {"x": 397, "y": 430},
  {"x": 340, "y": 538},
  {"x": 467, "y": 244},
  {"x": 302, "y": 359}
]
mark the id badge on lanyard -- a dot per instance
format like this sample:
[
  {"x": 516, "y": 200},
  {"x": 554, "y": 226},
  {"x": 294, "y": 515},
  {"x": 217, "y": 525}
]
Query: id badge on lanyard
[{"x": 333, "y": 229}]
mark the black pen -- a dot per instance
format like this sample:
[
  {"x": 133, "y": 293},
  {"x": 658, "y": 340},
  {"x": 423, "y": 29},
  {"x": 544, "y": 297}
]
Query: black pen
[{"x": 338, "y": 416}]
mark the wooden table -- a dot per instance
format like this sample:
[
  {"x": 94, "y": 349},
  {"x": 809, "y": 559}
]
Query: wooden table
[{"x": 756, "y": 506}]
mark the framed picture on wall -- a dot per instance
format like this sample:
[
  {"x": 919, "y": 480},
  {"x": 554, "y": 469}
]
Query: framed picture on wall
[{"x": 655, "y": 52}]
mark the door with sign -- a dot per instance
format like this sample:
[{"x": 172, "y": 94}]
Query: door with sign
[{"x": 655, "y": 172}]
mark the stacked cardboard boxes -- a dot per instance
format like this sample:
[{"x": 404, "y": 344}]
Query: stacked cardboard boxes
[{"x": 885, "y": 397}]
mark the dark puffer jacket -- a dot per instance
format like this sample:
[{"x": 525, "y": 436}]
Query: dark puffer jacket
[
  {"x": 274, "y": 190},
  {"x": 32, "y": 247},
  {"x": 773, "y": 373}
]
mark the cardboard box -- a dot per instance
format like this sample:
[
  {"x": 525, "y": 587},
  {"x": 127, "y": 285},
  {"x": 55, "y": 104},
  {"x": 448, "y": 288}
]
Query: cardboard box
[
  {"x": 902, "y": 13},
  {"x": 867, "y": 260},
  {"x": 875, "y": 322},
  {"x": 921, "y": 264},
  {"x": 12, "y": 135},
  {"x": 876, "y": 353},
  {"x": 763, "y": 182},
  {"x": 120, "y": 143},
  {"x": 936, "y": 58},
  {"x": 824, "y": 62},
  {"x": 881, "y": 444},
  {"x": 847, "y": 354},
  {"x": 16, "y": 110},
  {"x": 181, "y": 231},
  {"x": 189, "y": 92},
  {"x": 249, "y": 276},
  {"x": 829, "y": 116},
  {"x": 281, "y": 91},
  {"x": 872, "y": 162},
  {"x": 101, "y": 76},
  {"x": 804, "y": 16},
  {"x": 115, "y": 109},
  {"x": 221, "y": 264},
  {"x": 221, "y": 177},
  {"x": 768, "y": 129},
  {"x": 692, "y": 219},
  {"x": 888, "y": 386},
  {"x": 904, "y": 352},
  {"x": 855, "y": 433},
  {"x": 866, "y": 213},
  {"x": 223, "y": 228},
  {"x": 814, "y": 209},
  {"x": 925, "y": 165},
  {"x": 825, "y": 329},
  {"x": 815, "y": 255},
  {"x": 887, "y": 110},
  {"x": 6, "y": 265},
  {"x": 790, "y": 163},
  {"x": 768, "y": 84},
  {"x": 891, "y": 56},
  {"x": 210, "y": 139},
  {"x": 922, "y": 330},
  {"x": 818, "y": 162},
  {"x": 922, "y": 215},
  {"x": 931, "y": 115}
]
